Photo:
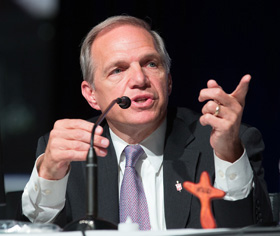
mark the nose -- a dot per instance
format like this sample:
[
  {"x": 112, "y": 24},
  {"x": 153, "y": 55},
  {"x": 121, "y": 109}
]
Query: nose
[{"x": 138, "y": 78}]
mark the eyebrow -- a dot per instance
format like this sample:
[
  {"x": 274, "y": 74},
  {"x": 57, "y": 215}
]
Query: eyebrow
[
  {"x": 151, "y": 55},
  {"x": 118, "y": 62},
  {"x": 113, "y": 64}
]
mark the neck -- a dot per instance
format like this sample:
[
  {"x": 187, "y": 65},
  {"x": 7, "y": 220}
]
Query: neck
[{"x": 134, "y": 134}]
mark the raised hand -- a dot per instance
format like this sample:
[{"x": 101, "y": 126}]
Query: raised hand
[{"x": 224, "y": 113}]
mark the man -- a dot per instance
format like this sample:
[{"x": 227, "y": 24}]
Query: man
[{"x": 123, "y": 57}]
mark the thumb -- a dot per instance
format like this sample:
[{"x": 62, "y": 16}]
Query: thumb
[{"x": 241, "y": 90}]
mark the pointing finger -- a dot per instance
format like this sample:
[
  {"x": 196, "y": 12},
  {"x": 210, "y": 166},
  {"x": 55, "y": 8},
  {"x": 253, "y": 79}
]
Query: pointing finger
[{"x": 241, "y": 90}]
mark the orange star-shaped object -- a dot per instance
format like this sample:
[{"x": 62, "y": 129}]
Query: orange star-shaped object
[{"x": 205, "y": 192}]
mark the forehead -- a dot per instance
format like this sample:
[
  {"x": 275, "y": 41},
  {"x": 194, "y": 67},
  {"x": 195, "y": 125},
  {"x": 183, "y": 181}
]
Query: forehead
[{"x": 122, "y": 37}]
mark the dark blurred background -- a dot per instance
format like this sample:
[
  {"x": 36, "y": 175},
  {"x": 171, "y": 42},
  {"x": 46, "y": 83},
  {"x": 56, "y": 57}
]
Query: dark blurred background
[{"x": 40, "y": 75}]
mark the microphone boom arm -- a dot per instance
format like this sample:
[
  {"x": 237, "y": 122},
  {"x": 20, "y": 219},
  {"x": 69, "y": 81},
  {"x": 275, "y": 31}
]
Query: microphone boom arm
[
  {"x": 91, "y": 164},
  {"x": 91, "y": 221}
]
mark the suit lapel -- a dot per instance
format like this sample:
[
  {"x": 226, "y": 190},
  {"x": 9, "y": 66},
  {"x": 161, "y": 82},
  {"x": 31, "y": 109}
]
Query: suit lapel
[{"x": 179, "y": 165}]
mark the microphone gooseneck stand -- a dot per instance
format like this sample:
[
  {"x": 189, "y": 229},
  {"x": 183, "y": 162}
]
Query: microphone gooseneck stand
[{"x": 91, "y": 221}]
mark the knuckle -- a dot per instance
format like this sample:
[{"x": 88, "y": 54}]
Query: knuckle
[
  {"x": 207, "y": 116},
  {"x": 75, "y": 122},
  {"x": 218, "y": 92},
  {"x": 59, "y": 123},
  {"x": 77, "y": 135},
  {"x": 78, "y": 146},
  {"x": 202, "y": 120},
  {"x": 212, "y": 105},
  {"x": 53, "y": 134}
]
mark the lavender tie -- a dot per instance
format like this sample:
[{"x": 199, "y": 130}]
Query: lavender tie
[{"x": 133, "y": 201}]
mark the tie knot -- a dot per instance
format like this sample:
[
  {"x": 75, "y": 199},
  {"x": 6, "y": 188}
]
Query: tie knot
[{"x": 132, "y": 154}]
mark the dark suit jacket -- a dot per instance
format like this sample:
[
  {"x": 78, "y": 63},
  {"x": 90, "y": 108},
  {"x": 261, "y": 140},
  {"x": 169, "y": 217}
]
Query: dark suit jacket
[{"x": 187, "y": 154}]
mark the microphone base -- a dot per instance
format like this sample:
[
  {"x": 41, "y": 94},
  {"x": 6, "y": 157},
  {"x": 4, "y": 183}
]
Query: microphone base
[{"x": 89, "y": 223}]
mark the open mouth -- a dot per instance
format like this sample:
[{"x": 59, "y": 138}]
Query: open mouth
[{"x": 141, "y": 100}]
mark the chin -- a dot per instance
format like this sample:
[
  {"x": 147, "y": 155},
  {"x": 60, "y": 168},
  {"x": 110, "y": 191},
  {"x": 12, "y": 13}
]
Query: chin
[{"x": 144, "y": 119}]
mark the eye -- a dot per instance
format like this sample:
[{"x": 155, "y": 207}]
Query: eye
[
  {"x": 152, "y": 64},
  {"x": 116, "y": 71}
]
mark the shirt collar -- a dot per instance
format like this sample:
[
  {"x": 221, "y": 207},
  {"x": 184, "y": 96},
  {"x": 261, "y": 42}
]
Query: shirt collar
[{"x": 153, "y": 146}]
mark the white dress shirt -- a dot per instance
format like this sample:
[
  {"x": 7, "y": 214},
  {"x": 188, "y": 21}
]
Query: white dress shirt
[
  {"x": 149, "y": 168},
  {"x": 43, "y": 199}
]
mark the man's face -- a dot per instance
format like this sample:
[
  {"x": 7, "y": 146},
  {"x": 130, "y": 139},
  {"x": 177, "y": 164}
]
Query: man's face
[{"x": 127, "y": 64}]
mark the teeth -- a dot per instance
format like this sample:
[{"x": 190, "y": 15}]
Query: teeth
[{"x": 141, "y": 100}]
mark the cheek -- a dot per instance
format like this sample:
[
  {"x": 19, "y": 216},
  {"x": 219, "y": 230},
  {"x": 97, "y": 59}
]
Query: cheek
[
  {"x": 165, "y": 88},
  {"x": 113, "y": 85}
]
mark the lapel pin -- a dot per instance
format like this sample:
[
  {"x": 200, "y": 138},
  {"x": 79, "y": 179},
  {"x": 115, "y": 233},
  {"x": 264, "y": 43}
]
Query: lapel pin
[{"x": 178, "y": 186}]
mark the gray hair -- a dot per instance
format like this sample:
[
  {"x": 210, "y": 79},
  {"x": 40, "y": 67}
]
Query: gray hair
[{"x": 87, "y": 62}]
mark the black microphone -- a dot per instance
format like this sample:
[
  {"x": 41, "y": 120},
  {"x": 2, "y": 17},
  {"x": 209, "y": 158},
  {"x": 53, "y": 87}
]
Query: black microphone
[
  {"x": 90, "y": 221},
  {"x": 124, "y": 102}
]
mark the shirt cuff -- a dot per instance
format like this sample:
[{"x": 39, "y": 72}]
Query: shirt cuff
[
  {"x": 236, "y": 179},
  {"x": 43, "y": 199}
]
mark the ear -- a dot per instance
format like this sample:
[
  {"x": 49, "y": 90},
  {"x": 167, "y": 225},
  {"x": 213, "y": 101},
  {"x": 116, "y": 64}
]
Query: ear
[
  {"x": 89, "y": 94},
  {"x": 169, "y": 84}
]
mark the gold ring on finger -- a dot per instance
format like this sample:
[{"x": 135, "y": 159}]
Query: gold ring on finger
[{"x": 217, "y": 111}]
